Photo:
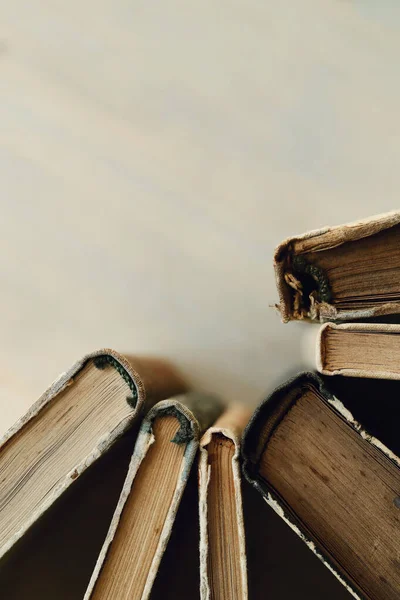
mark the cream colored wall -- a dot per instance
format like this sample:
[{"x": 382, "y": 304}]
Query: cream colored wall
[{"x": 152, "y": 154}]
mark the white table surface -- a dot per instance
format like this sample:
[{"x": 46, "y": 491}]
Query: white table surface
[{"x": 152, "y": 155}]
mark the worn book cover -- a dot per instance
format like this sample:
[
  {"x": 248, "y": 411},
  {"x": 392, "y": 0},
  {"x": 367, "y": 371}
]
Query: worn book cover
[
  {"x": 223, "y": 570},
  {"x": 194, "y": 413},
  {"x": 74, "y": 423},
  {"x": 341, "y": 273},
  {"x": 263, "y": 426}
]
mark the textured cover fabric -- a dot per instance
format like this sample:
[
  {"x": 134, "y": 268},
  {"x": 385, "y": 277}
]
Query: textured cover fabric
[
  {"x": 251, "y": 456},
  {"x": 148, "y": 390},
  {"x": 231, "y": 425},
  {"x": 200, "y": 411},
  {"x": 363, "y": 328},
  {"x": 322, "y": 239}
]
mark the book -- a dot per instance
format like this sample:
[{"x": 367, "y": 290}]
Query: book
[
  {"x": 166, "y": 446},
  {"x": 359, "y": 350},
  {"x": 55, "y": 558},
  {"x": 74, "y": 423},
  {"x": 341, "y": 273},
  {"x": 335, "y": 485},
  {"x": 223, "y": 571}
]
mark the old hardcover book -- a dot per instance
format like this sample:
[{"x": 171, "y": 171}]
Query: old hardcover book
[
  {"x": 341, "y": 273},
  {"x": 75, "y": 421},
  {"x": 334, "y": 484},
  {"x": 166, "y": 445},
  {"x": 359, "y": 350},
  {"x": 55, "y": 558},
  {"x": 223, "y": 572}
]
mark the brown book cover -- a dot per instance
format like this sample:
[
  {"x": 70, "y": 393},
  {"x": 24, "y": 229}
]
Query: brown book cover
[
  {"x": 313, "y": 271},
  {"x": 223, "y": 570},
  {"x": 69, "y": 428},
  {"x": 266, "y": 425}
]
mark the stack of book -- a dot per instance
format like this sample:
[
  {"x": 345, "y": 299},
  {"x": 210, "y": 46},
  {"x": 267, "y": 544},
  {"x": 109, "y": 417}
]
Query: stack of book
[{"x": 122, "y": 484}]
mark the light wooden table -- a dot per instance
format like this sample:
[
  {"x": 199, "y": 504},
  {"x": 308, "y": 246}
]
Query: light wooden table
[{"x": 152, "y": 154}]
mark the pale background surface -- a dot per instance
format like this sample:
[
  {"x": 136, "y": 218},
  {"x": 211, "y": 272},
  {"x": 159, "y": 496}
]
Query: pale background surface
[{"x": 152, "y": 155}]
